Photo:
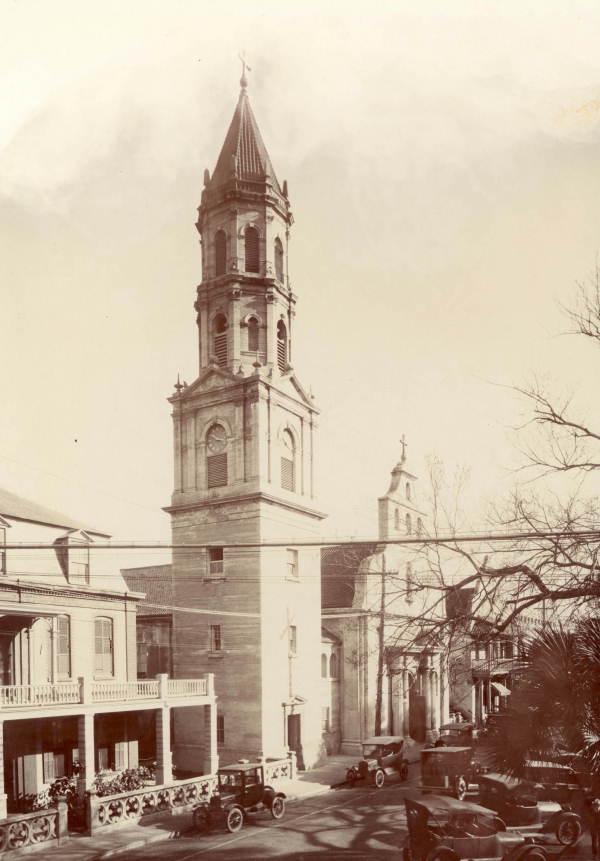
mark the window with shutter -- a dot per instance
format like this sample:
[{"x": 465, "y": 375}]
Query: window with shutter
[
  {"x": 220, "y": 252},
  {"x": 278, "y": 259},
  {"x": 121, "y": 758},
  {"x": 216, "y": 470},
  {"x": 215, "y": 561},
  {"x": 103, "y": 646},
  {"x": 282, "y": 346},
  {"x": 220, "y": 729},
  {"x": 220, "y": 338},
  {"x": 63, "y": 660},
  {"x": 48, "y": 765},
  {"x": 252, "y": 335},
  {"x": 287, "y": 473},
  {"x": 251, "y": 249},
  {"x": 216, "y": 643}
]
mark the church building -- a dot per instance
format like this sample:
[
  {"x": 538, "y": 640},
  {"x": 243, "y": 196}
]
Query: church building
[{"x": 244, "y": 499}]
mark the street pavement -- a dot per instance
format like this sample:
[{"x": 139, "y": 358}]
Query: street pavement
[{"x": 362, "y": 822}]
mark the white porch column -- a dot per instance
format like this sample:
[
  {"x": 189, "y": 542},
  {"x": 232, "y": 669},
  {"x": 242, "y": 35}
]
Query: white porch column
[
  {"x": 405, "y": 701},
  {"x": 397, "y": 703},
  {"x": 3, "y": 812},
  {"x": 85, "y": 744},
  {"x": 435, "y": 706},
  {"x": 211, "y": 757},
  {"x": 164, "y": 767},
  {"x": 474, "y": 702},
  {"x": 480, "y": 714}
]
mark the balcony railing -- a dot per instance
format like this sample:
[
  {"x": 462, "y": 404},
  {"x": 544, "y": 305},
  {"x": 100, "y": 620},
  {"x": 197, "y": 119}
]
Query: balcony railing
[
  {"x": 497, "y": 666},
  {"x": 109, "y": 690}
]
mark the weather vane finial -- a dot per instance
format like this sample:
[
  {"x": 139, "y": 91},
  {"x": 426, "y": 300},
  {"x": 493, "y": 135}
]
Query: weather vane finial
[{"x": 245, "y": 68}]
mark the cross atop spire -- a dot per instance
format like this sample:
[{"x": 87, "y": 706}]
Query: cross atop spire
[
  {"x": 245, "y": 66},
  {"x": 403, "y": 443}
]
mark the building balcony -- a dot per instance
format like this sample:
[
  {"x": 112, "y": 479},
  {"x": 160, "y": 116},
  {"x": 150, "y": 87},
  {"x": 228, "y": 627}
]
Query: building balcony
[
  {"x": 489, "y": 667},
  {"x": 84, "y": 696}
]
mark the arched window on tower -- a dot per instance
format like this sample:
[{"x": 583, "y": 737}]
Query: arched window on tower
[
  {"x": 397, "y": 519},
  {"x": 333, "y": 666},
  {"x": 288, "y": 461},
  {"x": 220, "y": 252},
  {"x": 253, "y": 335},
  {"x": 407, "y": 490},
  {"x": 279, "y": 259},
  {"x": 220, "y": 338},
  {"x": 251, "y": 249},
  {"x": 408, "y": 524},
  {"x": 282, "y": 347}
]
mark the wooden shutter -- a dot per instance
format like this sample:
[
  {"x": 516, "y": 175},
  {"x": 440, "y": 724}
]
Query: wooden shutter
[
  {"x": 63, "y": 663},
  {"x": 287, "y": 473},
  {"x": 120, "y": 755},
  {"x": 216, "y": 470},
  {"x": 251, "y": 249},
  {"x": 220, "y": 253}
]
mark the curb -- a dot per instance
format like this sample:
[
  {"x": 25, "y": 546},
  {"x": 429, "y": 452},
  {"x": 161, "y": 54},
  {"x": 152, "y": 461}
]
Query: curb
[{"x": 138, "y": 844}]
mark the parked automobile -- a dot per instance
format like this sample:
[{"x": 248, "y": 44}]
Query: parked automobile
[
  {"x": 383, "y": 755},
  {"x": 444, "y": 829},
  {"x": 517, "y": 803},
  {"x": 456, "y": 734},
  {"x": 241, "y": 790},
  {"x": 449, "y": 770},
  {"x": 557, "y": 782}
]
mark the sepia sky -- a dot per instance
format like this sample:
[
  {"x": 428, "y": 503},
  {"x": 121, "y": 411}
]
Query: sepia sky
[{"x": 443, "y": 163}]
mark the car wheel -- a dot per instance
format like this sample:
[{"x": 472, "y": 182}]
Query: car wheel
[
  {"x": 536, "y": 854},
  {"x": 460, "y": 788},
  {"x": 351, "y": 776},
  {"x": 404, "y": 771},
  {"x": 379, "y": 778},
  {"x": 200, "y": 819},
  {"x": 235, "y": 819},
  {"x": 277, "y": 807},
  {"x": 568, "y": 830}
]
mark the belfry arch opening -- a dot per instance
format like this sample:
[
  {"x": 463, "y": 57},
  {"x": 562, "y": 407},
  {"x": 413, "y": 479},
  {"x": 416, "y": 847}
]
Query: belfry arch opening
[
  {"x": 282, "y": 346},
  {"x": 220, "y": 338},
  {"x": 251, "y": 250},
  {"x": 220, "y": 252},
  {"x": 278, "y": 259}
]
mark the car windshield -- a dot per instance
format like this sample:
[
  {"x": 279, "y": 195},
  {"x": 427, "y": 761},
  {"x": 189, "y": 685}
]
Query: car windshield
[
  {"x": 371, "y": 749},
  {"x": 230, "y": 780}
]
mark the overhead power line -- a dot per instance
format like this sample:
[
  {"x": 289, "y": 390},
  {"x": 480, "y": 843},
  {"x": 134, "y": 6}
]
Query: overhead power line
[{"x": 589, "y": 534}]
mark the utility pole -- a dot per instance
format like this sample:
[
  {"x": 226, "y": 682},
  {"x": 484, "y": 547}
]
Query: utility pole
[{"x": 381, "y": 651}]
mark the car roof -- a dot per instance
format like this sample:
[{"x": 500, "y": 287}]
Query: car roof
[
  {"x": 383, "y": 739},
  {"x": 504, "y": 779},
  {"x": 458, "y": 726},
  {"x": 536, "y": 763},
  {"x": 448, "y": 748},
  {"x": 239, "y": 766},
  {"x": 447, "y": 804}
]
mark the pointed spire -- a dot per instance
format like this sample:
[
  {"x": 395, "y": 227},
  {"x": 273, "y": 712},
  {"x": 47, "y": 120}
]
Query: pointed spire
[{"x": 244, "y": 155}]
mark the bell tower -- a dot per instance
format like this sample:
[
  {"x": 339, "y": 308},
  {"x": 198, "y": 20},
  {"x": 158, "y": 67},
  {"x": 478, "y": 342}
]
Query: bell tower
[{"x": 244, "y": 486}]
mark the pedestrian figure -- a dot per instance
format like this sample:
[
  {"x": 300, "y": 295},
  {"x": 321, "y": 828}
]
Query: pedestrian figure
[{"x": 593, "y": 817}]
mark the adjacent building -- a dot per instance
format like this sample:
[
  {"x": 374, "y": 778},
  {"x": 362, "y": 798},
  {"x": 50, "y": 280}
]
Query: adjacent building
[{"x": 70, "y": 701}]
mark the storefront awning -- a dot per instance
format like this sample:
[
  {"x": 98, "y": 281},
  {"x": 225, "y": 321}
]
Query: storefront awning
[{"x": 502, "y": 689}]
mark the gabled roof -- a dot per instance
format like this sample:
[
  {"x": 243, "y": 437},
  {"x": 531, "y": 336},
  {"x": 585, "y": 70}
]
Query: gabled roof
[
  {"x": 244, "y": 154},
  {"x": 14, "y": 506}
]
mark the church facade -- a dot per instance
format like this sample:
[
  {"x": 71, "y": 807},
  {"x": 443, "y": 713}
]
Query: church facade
[{"x": 244, "y": 498}]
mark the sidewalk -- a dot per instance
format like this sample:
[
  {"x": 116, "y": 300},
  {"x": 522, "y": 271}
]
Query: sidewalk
[{"x": 112, "y": 841}]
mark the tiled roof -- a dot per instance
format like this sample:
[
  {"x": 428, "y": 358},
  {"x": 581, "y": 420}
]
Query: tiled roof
[
  {"x": 12, "y": 505},
  {"x": 339, "y": 567},
  {"x": 243, "y": 152},
  {"x": 156, "y": 581}
]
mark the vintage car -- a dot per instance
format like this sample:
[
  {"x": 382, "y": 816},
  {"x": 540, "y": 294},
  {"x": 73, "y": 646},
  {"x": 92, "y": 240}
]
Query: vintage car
[
  {"x": 383, "y": 755},
  {"x": 559, "y": 782},
  {"x": 444, "y": 829},
  {"x": 449, "y": 770},
  {"x": 240, "y": 790},
  {"x": 456, "y": 734},
  {"x": 516, "y": 803}
]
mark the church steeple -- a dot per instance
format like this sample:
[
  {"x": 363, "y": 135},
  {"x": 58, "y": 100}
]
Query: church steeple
[
  {"x": 245, "y": 305},
  {"x": 398, "y": 512}
]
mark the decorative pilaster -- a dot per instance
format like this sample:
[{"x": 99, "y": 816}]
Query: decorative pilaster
[{"x": 211, "y": 757}]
